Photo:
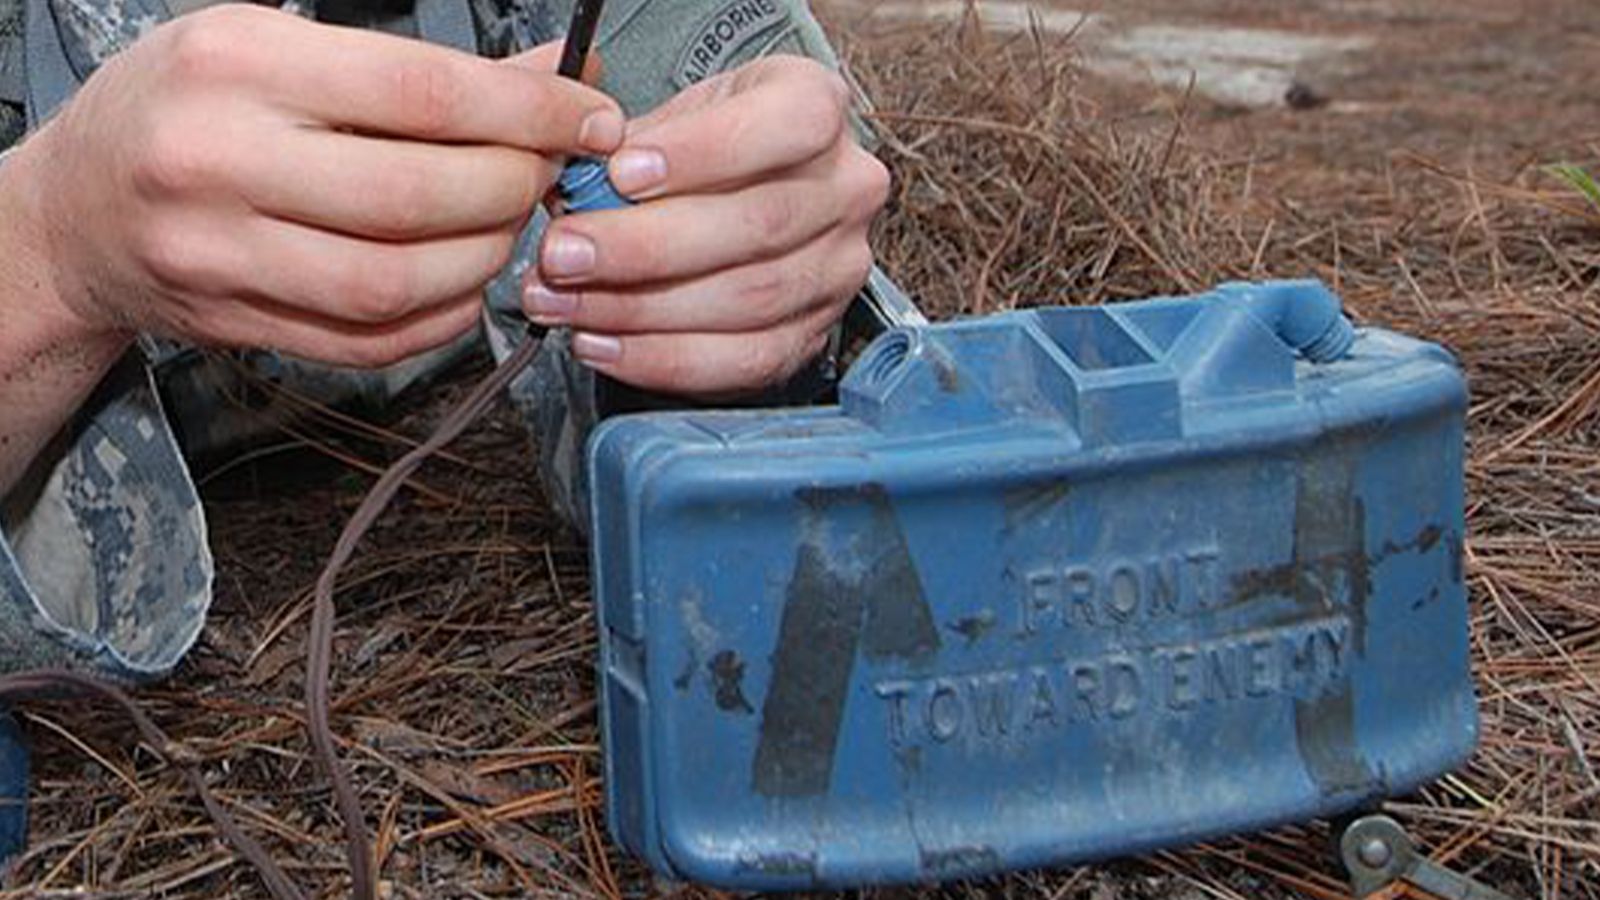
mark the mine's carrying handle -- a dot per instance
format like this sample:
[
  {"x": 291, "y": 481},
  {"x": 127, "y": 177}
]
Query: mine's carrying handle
[
  {"x": 1383, "y": 864},
  {"x": 880, "y": 306}
]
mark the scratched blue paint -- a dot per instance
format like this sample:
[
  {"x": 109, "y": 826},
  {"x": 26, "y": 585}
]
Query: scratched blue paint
[{"x": 1043, "y": 587}]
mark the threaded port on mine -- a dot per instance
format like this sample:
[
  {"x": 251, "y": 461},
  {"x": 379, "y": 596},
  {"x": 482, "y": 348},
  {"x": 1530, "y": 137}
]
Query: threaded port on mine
[
  {"x": 1333, "y": 344},
  {"x": 884, "y": 357}
]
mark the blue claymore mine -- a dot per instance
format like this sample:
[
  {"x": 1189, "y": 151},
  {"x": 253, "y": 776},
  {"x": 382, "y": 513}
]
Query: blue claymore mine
[{"x": 1042, "y": 587}]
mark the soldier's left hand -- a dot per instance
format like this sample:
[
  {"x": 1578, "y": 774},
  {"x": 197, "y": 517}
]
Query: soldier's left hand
[{"x": 748, "y": 244}]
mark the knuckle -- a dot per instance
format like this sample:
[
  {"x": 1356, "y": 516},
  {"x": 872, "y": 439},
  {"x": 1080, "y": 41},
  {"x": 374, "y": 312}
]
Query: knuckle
[
  {"x": 770, "y": 222},
  {"x": 744, "y": 371},
  {"x": 408, "y": 202},
  {"x": 835, "y": 84},
  {"x": 388, "y": 294},
  {"x": 564, "y": 106},
  {"x": 210, "y": 44},
  {"x": 175, "y": 159},
  {"x": 652, "y": 258},
  {"x": 795, "y": 66},
  {"x": 772, "y": 65},
  {"x": 170, "y": 254},
  {"x": 377, "y": 291},
  {"x": 537, "y": 94},
  {"x": 490, "y": 256},
  {"x": 427, "y": 94},
  {"x": 870, "y": 185},
  {"x": 819, "y": 108},
  {"x": 767, "y": 297}
]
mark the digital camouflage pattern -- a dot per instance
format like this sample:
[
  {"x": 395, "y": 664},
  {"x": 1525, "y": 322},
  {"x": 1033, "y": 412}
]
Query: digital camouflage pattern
[{"x": 104, "y": 565}]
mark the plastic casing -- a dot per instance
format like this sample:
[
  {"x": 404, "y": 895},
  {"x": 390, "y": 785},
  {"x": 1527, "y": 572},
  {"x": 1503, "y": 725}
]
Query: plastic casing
[{"x": 1045, "y": 587}]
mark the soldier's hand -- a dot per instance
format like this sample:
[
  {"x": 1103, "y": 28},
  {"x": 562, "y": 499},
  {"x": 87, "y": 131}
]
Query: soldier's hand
[
  {"x": 751, "y": 242},
  {"x": 244, "y": 177}
]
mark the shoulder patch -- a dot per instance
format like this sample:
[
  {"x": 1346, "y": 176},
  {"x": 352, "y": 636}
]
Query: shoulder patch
[{"x": 731, "y": 29}]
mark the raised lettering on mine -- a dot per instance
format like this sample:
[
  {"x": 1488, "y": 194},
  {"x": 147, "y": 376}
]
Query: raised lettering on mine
[
  {"x": 1137, "y": 589},
  {"x": 894, "y": 693},
  {"x": 1037, "y": 701},
  {"x": 944, "y": 711}
]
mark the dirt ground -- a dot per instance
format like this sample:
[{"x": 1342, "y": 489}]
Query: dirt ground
[{"x": 1406, "y": 173}]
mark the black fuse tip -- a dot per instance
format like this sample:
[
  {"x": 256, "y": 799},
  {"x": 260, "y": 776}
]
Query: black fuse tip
[{"x": 580, "y": 35}]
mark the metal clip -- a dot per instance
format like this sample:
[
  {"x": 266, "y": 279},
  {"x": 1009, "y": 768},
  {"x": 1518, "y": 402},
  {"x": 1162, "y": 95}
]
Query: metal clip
[{"x": 1384, "y": 864}]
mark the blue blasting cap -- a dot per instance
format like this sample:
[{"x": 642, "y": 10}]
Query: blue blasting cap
[{"x": 585, "y": 186}]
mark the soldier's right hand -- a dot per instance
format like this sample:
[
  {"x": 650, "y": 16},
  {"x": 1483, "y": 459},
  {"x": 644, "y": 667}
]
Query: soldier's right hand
[{"x": 244, "y": 177}]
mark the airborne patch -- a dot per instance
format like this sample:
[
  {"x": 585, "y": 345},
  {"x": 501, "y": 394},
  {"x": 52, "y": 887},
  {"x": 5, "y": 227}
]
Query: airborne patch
[{"x": 733, "y": 27}]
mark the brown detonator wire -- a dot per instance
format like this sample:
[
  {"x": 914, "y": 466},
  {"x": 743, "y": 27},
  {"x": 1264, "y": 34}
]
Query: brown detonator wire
[
  {"x": 50, "y": 683},
  {"x": 319, "y": 654},
  {"x": 574, "y": 54}
]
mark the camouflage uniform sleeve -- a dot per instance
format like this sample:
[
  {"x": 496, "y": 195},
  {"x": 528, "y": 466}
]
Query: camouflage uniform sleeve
[{"x": 103, "y": 558}]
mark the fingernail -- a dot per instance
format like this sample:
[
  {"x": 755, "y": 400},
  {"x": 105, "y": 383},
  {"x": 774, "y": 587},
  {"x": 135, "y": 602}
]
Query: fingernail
[
  {"x": 567, "y": 256},
  {"x": 546, "y": 306},
  {"x": 634, "y": 172},
  {"x": 596, "y": 349},
  {"x": 601, "y": 132}
]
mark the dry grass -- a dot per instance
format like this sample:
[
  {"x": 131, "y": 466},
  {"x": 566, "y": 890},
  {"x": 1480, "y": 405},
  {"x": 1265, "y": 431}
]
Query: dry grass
[
  {"x": 464, "y": 683},
  {"x": 1014, "y": 188}
]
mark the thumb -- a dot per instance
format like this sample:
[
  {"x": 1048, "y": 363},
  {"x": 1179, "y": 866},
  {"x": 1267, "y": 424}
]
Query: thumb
[{"x": 546, "y": 57}]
